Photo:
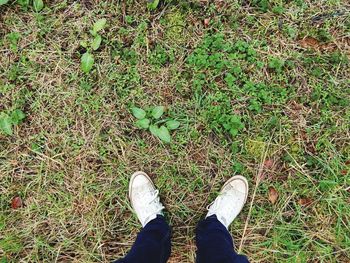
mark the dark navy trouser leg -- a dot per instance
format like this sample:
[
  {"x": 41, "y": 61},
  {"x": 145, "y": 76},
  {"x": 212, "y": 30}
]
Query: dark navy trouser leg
[
  {"x": 152, "y": 244},
  {"x": 215, "y": 244}
]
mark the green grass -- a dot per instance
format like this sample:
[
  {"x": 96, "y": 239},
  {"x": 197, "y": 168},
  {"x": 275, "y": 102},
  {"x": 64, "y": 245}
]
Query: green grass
[{"x": 264, "y": 84}]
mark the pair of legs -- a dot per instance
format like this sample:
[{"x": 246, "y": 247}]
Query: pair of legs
[{"x": 214, "y": 242}]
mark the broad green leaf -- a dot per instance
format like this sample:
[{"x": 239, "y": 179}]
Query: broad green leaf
[
  {"x": 157, "y": 112},
  {"x": 36, "y": 147},
  {"x": 138, "y": 113},
  {"x": 97, "y": 42},
  {"x": 87, "y": 61},
  {"x": 172, "y": 124},
  {"x": 143, "y": 123},
  {"x": 99, "y": 25},
  {"x": 163, "y": 134},
  {"x": 2, "y": 2},
  {"x": 154, "y": 130},
  {"x": 23, "y": 3},
  {"x": 38, "y": 5},
  {"x": 233, "y": 132},
  {"x": 83, "y": 43},
  {"x": 5, "y": 124},
  {"x": 17, "y": 116},
  {"x": 153, "y": 4}
]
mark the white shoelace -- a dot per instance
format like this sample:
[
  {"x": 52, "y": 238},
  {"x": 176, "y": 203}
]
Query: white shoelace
[
  {"x": 216, "y": 206},
  {"x": 148, "y": 203},
  {"x": 225, "y": 205}
]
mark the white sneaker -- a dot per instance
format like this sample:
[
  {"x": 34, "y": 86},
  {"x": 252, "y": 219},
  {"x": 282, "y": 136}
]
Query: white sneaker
[
  {"x": 144, "y": 198},
  {"x": 230, "y": 201}
]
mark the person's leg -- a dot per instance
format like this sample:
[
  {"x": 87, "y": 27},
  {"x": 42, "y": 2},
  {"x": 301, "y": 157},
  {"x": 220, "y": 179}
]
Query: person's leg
[
  {"x": 152, "y": 244},
  {"x": 214, "y": 242}
]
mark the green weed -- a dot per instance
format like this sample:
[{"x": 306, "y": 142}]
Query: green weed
[
  {"x": 245, "y": 79},
  {"x": 8, "y": 121},
  {"x": 150, "y": 119},
  {"x": 87, "y": 59}
]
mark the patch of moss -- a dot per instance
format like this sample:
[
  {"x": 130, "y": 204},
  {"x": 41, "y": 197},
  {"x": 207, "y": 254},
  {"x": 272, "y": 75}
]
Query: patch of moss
[
  {"x": 175, "y": 24},
  {"x": 294, "y": 148},
  {"x": 256, "y": 148}
]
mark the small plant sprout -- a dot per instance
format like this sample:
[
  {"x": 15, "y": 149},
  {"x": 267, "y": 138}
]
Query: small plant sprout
[
  {"x": 87, "y": 59},
  {"x": 9, "y": 120},
  {"x": 3, "y": 2},
  {"x": 152, "y": 4},
  {"x": 151, "y": 120},
  {"x": 38, "y": 5}
]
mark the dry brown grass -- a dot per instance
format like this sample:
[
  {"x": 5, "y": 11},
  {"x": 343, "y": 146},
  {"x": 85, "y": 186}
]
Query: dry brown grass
[{"x": 70, "y": 160}]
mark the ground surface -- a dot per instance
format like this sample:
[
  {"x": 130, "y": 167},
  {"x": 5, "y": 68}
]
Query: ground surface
[{"x": 260, "y": 88}]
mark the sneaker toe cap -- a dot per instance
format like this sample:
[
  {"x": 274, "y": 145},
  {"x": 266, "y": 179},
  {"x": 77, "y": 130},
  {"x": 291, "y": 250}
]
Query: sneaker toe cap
[
  {"x": 239, "y": 185},
  {"x": 140, "y": 180}
]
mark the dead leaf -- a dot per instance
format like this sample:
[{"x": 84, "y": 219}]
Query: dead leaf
[
  {"x": 268, "y": 163},
  {"x": 262, "y": 176},
  {"x": 296, "y": 106},
  {"x": 347, "y": 162},
  {"x": 16, "y": 202},
  {"x": 311, "y": 148},
  {"x": 309, "y": 42},
  {"x": 206, "y": 22},
  {"x": 305, "y": 201},
  {"x": 344, "y": 172},
  {"x": 273, "y": 195},
  {"x": 304, "y": 136}
]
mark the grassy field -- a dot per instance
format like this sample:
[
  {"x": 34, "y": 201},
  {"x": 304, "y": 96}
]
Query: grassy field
[{"x": 260, "y": 88}]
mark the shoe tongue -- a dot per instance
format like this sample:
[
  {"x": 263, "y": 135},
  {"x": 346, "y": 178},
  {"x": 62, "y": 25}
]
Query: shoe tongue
[
  {"x": 144, "y": 197},
  {"x": 222, "y": 220},
  {"x": 148, "y": 196},
  {"x": 235, "y": 190}
]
